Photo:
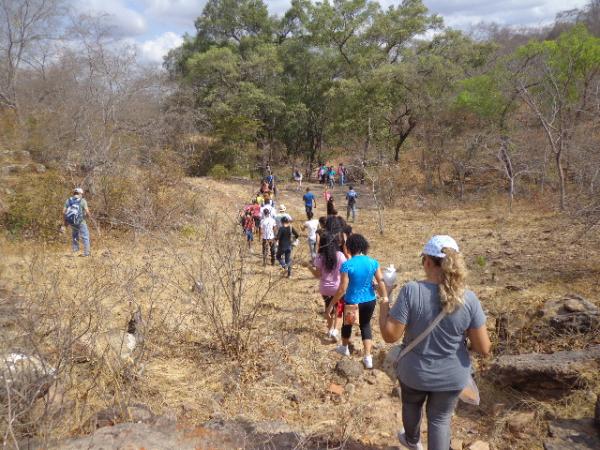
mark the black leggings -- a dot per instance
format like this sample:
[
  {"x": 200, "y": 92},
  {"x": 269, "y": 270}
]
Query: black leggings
[{"x": 365, "y": 314}]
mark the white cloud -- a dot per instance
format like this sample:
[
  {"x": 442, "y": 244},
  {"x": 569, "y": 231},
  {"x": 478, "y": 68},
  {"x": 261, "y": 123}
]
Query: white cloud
[
  {"x": 181, "y": 12},
  {"x": 153, "y": 50},
  {"x": 125, "y": 21}
]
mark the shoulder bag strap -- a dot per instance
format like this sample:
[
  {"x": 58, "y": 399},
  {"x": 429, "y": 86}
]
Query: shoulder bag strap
[{"x": 424, "y": 334}]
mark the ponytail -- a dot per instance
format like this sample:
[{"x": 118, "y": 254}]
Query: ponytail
[{"x": 454, "y": 274}]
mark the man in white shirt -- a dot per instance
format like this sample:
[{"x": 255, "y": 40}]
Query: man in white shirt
[
  {"x": 311, "y": 226},
  {"x": 267, "y": 232}
]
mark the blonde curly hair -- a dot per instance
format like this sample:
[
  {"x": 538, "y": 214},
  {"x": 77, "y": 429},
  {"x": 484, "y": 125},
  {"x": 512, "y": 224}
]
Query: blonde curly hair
[{"x": 454, "y": 274}]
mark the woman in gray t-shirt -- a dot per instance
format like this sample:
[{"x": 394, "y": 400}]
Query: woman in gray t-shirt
[{"x": 438, "y": 368}]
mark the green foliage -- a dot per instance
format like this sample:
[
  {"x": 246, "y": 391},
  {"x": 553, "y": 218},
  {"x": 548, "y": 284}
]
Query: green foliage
[
  {"x": 481, "y": 95},
  {"x": 218, "y": 172},
  {"x": 481, "y": 261}
]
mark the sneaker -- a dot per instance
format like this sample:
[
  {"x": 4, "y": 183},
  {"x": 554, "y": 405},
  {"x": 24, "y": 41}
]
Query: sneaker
[
  {"x": 343, "y": 350},
  {"x": 404, "y": 442},
  {"x": 333, "y": 334},
  {"x": 368, "y": 362}
]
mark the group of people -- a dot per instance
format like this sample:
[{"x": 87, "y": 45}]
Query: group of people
[
  {"x": 439, "y": 313},
  {"x": 327, "y": 175}
]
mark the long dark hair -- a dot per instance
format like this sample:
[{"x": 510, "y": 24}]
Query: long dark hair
[{"x": 328, "y": 248}]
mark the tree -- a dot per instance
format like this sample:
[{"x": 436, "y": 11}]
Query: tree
[
  {"x": 555, "y": 82},
  {"x": 24, "y": 26}
]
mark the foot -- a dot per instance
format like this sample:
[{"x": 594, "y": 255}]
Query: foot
[
  {"x": 368, "y": 362},
  {"x": 333, "y": 334},
  {"x": 404, "y": 442},
  {"x": 343, "y": 350}
]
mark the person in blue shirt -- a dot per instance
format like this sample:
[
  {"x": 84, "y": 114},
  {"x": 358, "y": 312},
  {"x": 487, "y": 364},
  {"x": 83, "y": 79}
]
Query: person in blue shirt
[
  {"x": 310, "y": 202},
  {"x": 356, "y": 287}
]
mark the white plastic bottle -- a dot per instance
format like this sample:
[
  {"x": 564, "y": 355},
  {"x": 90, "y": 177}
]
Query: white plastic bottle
[{"x": 389, "y": 277}]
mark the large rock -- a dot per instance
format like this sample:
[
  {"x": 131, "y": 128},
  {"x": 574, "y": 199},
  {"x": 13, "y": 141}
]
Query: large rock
[
  {"x": 556, "y": 371},
  {"x": 572, "y": 313},
  {"x": 349, "y": 368},
  {"x": 572, "y": 435},
  {"x": 25, "y": 377}
]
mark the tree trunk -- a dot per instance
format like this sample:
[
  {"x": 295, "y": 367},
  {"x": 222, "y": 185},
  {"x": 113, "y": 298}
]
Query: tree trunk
[
  {"x": 402, "y": 137},
  {"x": 561, "y": 179}
]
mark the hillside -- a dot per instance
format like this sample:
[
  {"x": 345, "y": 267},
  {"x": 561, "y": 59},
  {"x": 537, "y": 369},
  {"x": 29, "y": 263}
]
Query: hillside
[{"x": 287, "y": 370}]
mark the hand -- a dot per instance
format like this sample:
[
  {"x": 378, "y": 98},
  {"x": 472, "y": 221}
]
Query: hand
[
  {"x": 390, "y": 289},
  {"x": 328, "y": 312}
]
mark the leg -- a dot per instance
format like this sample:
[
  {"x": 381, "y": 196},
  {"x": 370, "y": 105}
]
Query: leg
[
  {"x": 75, "y": 238},
  {"x": 327, "y": 299},
  {"x": 288, "y": 261},
  {"x": 412, "y": 413},
  {"x": 85, "y": 237},
  {"x": 439, "y": 408},
  {"x": 365, "y": 314},
  {"x": 265, "y": 243},
  {"x": 272, "y": 246},
  {"x": 353, "y": 213},
  {"x": 348, "y": 208}
]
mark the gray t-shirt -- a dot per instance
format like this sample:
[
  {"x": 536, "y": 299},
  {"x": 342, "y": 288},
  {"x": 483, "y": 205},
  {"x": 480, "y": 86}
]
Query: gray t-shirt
[{"x": 440, "y": 362}]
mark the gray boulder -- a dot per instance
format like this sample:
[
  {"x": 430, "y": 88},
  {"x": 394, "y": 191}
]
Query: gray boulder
[
  {"x": 573, "y": 435},
  {"x": 557, "y": 372},
  {"x": 572, "y": 313},
  {"x": 349, "y": 368}
]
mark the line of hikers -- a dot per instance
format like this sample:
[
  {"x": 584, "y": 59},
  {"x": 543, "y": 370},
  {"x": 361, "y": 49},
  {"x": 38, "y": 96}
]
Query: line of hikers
[{"x": 434, "y": 316}]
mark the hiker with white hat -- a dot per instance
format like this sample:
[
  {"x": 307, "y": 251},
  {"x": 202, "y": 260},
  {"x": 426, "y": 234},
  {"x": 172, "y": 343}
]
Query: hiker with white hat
[
  {"x": 75, "y": 213},
  {"x": 434, "y": 316},
  {"x": 282, "y": 213}
]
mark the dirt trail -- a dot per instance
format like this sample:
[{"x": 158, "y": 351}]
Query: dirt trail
[{"x": 532, "y": 251}]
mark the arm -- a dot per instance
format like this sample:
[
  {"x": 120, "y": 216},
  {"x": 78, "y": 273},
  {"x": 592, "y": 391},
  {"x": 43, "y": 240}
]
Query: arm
[
  {"x": 381, "y": 289},
  {"x": 295, "y": 233},
  {"x": 480, "y": 340},
  {"x": 315, "y": 271},
  {"x": 391, "y": 329},
  {"x": 338, "y": 295}
]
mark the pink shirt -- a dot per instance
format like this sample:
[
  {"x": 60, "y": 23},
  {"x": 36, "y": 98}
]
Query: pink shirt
[
  {"x": 327, "y": 196},
  {"x": 330, "y": 281}
]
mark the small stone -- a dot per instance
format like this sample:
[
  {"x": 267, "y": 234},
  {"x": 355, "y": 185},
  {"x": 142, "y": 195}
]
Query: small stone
[
  {"x": 336, "y": 389},
  {"x": 498, "y": 408},
  {"x": 519, "y": 422},
  {"x": 513, "y": 288},
  {"x": 479, "y": 445},
  {"x": 350, "y": 389},
  {"x": 349, "y": 368},
  {"x": 573, "y": 305},
  {"x": 456, "y": 444}
]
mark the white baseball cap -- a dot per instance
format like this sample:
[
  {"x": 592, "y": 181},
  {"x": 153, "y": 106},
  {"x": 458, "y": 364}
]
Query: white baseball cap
[
  {"x": 78, "y": 190},
  {"x": 435, "y": 245},
  {"x": 282, "y": 208}
]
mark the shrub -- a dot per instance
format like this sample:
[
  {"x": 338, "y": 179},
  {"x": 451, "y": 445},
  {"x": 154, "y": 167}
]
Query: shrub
[{"x": 218, "y": 172}]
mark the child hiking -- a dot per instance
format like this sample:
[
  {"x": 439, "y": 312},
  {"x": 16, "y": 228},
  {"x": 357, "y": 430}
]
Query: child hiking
[
  {"x": 326, "y": 267},
  {"x": 286, "y": 235},
  {"x": 310, "y": 201},
  {"x": 351, "y": 197},
  {"x": 267, "y": 234},
  {"x": 311, "y": 226}
]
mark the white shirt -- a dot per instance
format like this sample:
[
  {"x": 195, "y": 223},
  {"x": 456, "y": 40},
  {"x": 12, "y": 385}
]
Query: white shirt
[
  {"x": 311, "y": 226},
  {"x": 270, "y": 208},
  {"x": 267, "y": 224}
]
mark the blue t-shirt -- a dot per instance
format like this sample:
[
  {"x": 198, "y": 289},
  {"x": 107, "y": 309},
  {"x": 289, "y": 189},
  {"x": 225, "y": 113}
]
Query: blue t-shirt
[
  {"x": 440, "y": 362},
  {"x": 308, "y": 198},
  {"x": 361, "y": 270}
]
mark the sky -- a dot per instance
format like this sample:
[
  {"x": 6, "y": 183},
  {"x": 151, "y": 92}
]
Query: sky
[{"x": 156, "y": 26}]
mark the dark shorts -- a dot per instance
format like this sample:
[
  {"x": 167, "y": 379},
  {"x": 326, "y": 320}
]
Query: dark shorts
[{"x": 340, "y": 305}]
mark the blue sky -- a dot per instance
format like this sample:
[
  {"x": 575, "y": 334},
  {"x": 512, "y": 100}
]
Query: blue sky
[{"x": 155, "y": 26}]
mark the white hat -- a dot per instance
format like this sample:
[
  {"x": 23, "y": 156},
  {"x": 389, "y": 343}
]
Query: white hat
[
  {"x": 78, "y": 190},
  {"x": 437, "y": 243},
  {"x": 282, "y": 208}
]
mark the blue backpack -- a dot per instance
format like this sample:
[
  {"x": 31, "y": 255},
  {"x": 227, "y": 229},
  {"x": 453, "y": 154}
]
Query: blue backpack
[{"x": 74, "y": 215}]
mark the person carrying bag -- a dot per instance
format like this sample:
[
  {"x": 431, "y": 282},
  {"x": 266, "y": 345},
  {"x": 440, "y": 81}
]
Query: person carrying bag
[{"x": 434, "y": 368}]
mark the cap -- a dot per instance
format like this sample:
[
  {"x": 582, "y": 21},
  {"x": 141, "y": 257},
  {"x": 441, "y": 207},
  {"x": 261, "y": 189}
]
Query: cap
[
  {"x": 435, "y": 245},
  {"x": 282, "y": 208},
  {"x": 78, "y": 190}
]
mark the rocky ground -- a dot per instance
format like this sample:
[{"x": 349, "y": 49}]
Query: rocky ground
[{"x": 539, "y": 284}]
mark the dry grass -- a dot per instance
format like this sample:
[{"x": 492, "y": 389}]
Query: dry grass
[{"x": 184, "y": 372}]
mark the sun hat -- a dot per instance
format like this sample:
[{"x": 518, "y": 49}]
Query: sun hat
[
  {"x": 435, "y": 245},
  {"x": 282, "y": 208},
  {"x": 78, "y": 190}
]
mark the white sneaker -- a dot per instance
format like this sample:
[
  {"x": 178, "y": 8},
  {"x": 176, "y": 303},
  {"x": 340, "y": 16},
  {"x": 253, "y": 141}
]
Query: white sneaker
[
  {"x": 368, "y": 362},
  {"x": 333, "y": 334},
  {"x": 404, "y": 442},
  {"x": 343, "y": 350}
]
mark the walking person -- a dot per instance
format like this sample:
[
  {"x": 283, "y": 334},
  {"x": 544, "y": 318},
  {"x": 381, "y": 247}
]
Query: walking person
[
  {"x": 281, "y": 215},
  {"x": 356, "y": 287},
  {"x": 286, "y": 235},
  {"x": 311, "y": 226},
  {"x": 75, "y": 213},
  {"x": 438, "y": 368},
  {"x": 326, "y": 267},
  {"x": 331, "y": 177},
  {"x": 297, "y": 178},
  {"x": 310, "y": 201},
  {"x": 342, "y": 173},
  {"x": 248, "y": 226},
  {"x": 351, "y": 197},
  {"x": 267, "y": 234}
]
